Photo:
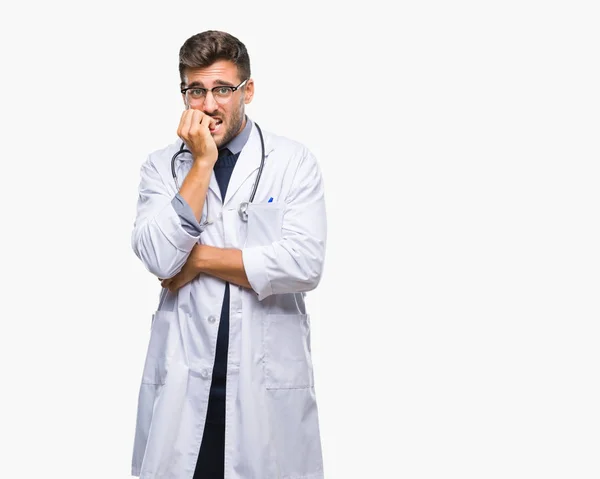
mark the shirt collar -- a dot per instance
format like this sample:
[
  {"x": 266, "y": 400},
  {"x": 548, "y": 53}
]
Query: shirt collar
[{"x": 238, "y": 142}]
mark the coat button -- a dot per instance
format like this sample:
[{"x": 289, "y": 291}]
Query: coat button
[
  {"x": 205, "y": 373},
  {"x": 211, "y": 319}
]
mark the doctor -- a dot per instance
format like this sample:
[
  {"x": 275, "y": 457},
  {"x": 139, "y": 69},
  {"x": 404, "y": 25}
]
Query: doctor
[{"x": 227, "y": 389}]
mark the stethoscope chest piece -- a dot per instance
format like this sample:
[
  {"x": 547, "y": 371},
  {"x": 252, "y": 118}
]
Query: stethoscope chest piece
[{"x": 243, "y": 210}]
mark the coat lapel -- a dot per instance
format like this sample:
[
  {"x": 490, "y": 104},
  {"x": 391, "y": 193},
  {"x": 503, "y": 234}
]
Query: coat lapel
[{"x": 214, "y": 185}]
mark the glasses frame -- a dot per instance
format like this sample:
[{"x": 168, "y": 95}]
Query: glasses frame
[{"x": 212, "y": 90}]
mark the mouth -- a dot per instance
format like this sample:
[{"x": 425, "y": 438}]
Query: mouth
[{"x": 217, "y": 126}]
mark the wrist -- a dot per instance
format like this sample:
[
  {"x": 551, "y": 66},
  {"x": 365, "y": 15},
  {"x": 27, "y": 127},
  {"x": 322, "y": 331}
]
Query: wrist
[
  {"x": 206, "y": 160},
  {"x": 200, "y": 258}
]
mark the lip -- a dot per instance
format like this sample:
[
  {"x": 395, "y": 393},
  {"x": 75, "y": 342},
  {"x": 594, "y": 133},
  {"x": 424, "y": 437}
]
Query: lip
[{"x": 217, "y": 128}]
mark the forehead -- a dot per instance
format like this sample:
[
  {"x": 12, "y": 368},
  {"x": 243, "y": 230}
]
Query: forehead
[{"x": 218, "y": 72}]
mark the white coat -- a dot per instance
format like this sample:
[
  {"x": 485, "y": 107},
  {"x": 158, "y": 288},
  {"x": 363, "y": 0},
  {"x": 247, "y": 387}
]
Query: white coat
[{"x": 272, "y": 426}]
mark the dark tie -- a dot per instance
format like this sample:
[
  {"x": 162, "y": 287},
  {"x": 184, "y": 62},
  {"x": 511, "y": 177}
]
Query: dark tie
[
  {"x": 223, "y": 169},
  {"x": 224, "y": 152}
]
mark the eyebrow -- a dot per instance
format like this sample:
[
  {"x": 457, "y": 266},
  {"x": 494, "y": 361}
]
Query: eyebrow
[{"x": 197, "y": 84}]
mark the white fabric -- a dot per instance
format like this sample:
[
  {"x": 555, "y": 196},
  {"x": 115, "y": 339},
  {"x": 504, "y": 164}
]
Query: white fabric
[{"x": 272, "y": 426}]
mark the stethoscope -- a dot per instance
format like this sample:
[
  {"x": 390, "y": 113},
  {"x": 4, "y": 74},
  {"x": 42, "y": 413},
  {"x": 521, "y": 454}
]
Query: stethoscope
[{"x": 243, "y": 208}]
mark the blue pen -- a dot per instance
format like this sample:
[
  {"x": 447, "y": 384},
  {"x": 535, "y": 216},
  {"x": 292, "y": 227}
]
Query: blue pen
[{"x": 270, "y": 200}]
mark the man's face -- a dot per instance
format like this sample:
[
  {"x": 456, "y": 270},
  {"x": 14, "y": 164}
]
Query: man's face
[{"x": 231, "y": 113}]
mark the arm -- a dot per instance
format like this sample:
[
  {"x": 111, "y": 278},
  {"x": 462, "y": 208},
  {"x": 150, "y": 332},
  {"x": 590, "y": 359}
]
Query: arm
[
  {"x": 194, "y": 130},
  {"x": 195, "y": 186},
  {"x": 159, "y": 240},
  {"x": 295, "y": 262},
  {"x": 222, "y": 263}
]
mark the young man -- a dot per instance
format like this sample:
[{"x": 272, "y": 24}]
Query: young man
[{"x": 232, "y": 222}]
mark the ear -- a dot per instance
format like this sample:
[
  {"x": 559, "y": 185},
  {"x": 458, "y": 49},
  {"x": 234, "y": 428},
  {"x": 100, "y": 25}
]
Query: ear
[{"x": 248, "y": 91}]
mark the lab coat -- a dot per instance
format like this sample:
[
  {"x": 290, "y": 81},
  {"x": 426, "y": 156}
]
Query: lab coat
[{"x": 272, "y": 425}]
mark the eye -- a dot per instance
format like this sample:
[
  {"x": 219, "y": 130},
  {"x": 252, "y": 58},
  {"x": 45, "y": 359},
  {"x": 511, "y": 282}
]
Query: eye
[
  {"x": 197, "y": 92},
  {"x": 223, "y": 90}
]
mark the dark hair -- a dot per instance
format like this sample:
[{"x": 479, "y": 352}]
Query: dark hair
[{"x": 203, "y": 49}]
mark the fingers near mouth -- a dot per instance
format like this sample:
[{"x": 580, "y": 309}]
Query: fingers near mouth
[{"x": 215, "y": 125}]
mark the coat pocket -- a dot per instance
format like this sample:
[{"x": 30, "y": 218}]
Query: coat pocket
[
  {"x": 265, "y": 221},
  {"x": 164, "y": 336},
  {"x": 287, "y": 358}
]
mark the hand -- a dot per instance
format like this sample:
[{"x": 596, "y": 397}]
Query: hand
[
  {"x": 187, "y": 273},
  {"x": 194, "y": 131}
]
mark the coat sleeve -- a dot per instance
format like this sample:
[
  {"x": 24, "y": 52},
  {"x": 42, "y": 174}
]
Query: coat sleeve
[
  {"x": 159, "y": 240},
  {"x": 294, "y": 263}
]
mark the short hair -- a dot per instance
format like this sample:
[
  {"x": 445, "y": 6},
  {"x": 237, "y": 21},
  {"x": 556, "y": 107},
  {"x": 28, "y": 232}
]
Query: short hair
[{"x": 204, "y": 49}]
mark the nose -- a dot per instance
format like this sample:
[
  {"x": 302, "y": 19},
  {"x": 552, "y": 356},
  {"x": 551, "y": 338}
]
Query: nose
[{"x": 210, "y": 104}]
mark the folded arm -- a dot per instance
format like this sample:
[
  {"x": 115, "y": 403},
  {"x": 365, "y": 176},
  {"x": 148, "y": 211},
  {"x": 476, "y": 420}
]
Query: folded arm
[
  {"x": 158, "y": 239},
  {"x": 222, "y": 263}
]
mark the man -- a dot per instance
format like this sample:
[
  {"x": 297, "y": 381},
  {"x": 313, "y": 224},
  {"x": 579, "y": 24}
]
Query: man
[{"x": 227, "y": 388}]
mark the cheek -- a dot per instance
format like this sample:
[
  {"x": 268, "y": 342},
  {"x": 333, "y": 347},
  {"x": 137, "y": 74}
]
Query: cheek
[
  {"x": 225, "y": 114},
  {"x": 231, "y": 113}
]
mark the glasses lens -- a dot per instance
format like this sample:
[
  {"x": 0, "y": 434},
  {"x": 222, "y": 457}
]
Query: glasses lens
[
  {"x": 196, "y": 94},
  {"x": 222, "y": 94}
]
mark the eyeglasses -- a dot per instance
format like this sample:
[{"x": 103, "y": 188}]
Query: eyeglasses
[{"x": 222, "y": 93}]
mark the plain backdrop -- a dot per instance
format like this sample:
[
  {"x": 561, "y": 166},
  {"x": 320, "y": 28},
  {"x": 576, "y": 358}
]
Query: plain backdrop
[{"x": 456, "y": 327}]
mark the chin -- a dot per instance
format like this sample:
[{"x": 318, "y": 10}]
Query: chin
[
  {"x": 218, "y": 140},
  {"x": 221, "y": 138}
]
